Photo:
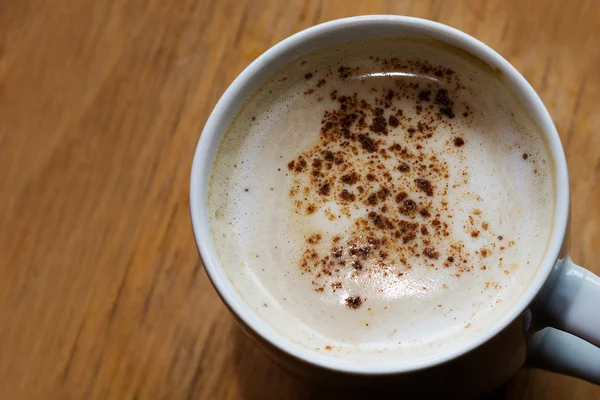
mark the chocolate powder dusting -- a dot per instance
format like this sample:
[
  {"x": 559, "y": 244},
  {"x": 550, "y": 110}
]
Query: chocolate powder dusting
[
  {"x": 325, "y": 189},
  {"x": 367, "y": 143},
  {"x": 377, "y": 168},
  {"x": 424, "y": 95},
  {"x": 403, "y": 167},
  {"x": 458, "y": 141},
  {"x": 344, "y": 72},
  {"x": 442, "y": 97},
  {"x": 354, "y": 302},
  {"x": 447, "y": 111},
  {"x": 350, "y": 179},
  {"x": 425, "y": 186},
  {"x": 431, "y": 253},
  {"x": 445, "y": 103},
  {"x": 379, "y": 125},
  {"x": 408, "y": 207},
  {"x": 347, "y": 196}
]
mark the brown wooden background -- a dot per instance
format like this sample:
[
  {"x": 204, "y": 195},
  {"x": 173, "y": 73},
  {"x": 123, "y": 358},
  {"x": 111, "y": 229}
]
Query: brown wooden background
[{"x": 102, "y": 295}]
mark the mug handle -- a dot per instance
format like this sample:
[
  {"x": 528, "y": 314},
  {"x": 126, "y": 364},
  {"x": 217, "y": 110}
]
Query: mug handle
[{"x": 570, "y": 344}]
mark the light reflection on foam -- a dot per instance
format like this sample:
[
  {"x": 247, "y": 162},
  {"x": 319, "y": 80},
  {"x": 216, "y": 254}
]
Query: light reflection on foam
[
  {"x": 405, "y": 288},
  {"x": 386, "y": 287},
  {"x": 393, "y": 74}
]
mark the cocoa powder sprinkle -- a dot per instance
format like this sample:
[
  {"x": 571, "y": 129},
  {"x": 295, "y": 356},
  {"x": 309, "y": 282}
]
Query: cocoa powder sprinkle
[
  {"x": 425, "y": 186},
  {"x": 354, "y": 302},
  {"x": 375, "y": 169},
  {"x": 431, "y": 253}
]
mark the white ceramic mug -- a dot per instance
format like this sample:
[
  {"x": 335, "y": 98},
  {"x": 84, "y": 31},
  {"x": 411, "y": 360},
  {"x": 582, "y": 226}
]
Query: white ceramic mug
[{"x": 554, "y": 325}]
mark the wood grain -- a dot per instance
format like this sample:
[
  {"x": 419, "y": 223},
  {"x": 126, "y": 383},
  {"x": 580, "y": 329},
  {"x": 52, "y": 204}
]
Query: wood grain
[{"x": 102, "y": 295}]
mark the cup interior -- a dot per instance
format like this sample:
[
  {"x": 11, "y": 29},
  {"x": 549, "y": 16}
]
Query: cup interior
[{"x": 337, "y": 32}]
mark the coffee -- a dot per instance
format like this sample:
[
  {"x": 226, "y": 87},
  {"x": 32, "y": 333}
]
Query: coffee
[{"x": 385, "y": 200}]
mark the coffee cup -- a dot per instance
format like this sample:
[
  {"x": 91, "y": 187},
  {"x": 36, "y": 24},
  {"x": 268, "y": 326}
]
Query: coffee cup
[{"x": 553, "y": 325}]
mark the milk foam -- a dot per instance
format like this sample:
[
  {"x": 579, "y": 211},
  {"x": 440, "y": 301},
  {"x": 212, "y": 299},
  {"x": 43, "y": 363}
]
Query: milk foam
[{"x": 498, "y": 196}]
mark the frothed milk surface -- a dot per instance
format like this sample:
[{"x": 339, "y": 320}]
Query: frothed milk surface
[{"x": 385, "y": 200}]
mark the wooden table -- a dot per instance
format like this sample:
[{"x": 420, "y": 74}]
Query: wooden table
[{"x": 102, "y": 295}]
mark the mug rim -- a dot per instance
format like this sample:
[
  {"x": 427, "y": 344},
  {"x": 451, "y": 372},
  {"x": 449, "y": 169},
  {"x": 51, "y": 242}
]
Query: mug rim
[{"x": 202, "y": 168}]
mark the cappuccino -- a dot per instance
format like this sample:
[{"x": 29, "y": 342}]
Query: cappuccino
[{"x": 385, "y": 200}]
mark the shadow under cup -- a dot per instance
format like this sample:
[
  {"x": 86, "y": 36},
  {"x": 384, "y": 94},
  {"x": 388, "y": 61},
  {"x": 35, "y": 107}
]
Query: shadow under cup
[{"x": 475, "y": 367}]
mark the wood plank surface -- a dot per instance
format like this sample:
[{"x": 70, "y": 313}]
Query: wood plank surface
[{"x": 102, "y": 294}]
